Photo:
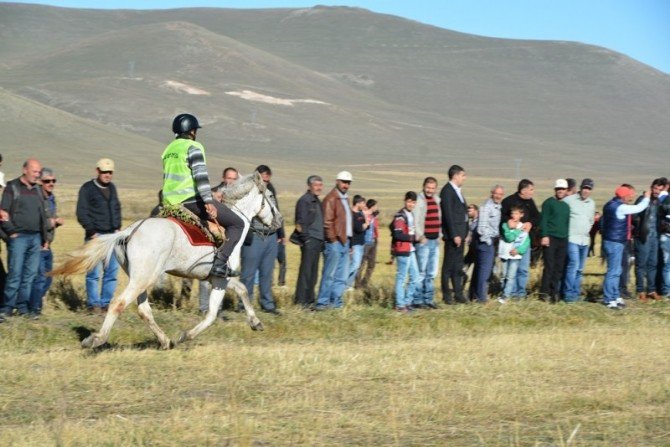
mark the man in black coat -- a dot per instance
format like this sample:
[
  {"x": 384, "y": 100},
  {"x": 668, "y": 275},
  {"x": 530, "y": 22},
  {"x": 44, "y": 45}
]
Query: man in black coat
[
  {"x": 454, "y": 230},
  {"x": 523, "y": 198},
  {"x": 99, "y": 212}
]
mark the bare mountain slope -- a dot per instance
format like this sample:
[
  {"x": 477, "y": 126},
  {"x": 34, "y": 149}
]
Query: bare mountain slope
[{"x": 335, "y": 84}]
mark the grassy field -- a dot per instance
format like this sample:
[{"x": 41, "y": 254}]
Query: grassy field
[{"x": 522, "y": 374}]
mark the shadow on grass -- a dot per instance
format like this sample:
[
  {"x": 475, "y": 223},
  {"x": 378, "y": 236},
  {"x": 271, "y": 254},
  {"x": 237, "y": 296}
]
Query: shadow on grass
[
  {"x": 83, "y": 332},
  {"x": 67, "y": 294}
]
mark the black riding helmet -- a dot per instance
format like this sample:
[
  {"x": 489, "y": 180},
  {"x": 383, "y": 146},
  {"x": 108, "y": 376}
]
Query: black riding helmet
[{"x": 184, "y": 123}]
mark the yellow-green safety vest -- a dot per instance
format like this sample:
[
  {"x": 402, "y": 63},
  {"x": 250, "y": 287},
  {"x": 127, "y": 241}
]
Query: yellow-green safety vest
[{"x": 178, "y": 182}]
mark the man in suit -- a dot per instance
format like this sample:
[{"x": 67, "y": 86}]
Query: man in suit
[{"x": 454, "y": 230}]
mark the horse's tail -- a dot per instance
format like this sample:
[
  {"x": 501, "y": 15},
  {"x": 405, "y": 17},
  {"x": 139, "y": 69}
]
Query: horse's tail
[{"x": 87, "y": 256}]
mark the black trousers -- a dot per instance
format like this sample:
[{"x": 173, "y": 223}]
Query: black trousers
[
  {"x": 554, "y": 266},
  {"x": 233, "y": 224},
  {"x": 310, "y": 253},
  {"x": 452, "y": 270}
]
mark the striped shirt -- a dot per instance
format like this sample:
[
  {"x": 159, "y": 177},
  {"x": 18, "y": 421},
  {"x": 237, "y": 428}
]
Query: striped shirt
[
  {"x": 196, "y": 161},
  {"x": 432, "y": 224}
]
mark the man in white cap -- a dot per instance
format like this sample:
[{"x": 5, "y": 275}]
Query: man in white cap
[
  {"x": 99, "y": 212},
  {"x": 554, "y": 229},
  {"x": 338, "y": 229}
]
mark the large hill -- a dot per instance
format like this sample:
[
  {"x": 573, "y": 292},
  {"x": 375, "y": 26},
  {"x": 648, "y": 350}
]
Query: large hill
[{"x": 324, "y": 87}]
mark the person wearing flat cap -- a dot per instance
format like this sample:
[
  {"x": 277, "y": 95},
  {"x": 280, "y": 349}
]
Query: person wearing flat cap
[
  {"x": 99, "y": 212},
  {"x": 582, "y": 216}
]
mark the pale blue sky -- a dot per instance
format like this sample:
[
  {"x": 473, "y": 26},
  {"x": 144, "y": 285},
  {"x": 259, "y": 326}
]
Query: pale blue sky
[{"x": 637, "y": 28}]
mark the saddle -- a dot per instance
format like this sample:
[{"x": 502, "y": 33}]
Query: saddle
[{"x": 198, "y": 231}]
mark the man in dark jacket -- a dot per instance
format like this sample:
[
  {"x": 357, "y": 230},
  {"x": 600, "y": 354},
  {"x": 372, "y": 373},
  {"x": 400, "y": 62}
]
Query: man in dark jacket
[
  {"x": 42, "y": 281},
  {"x": 26, "y": 228},
  {"x": 523, "y": 198},
  {"x": 454, "y": 231},
  {"x": 309, "y": 225},
  {"x": 645, "y": 243},
  {"x": 99, "y": 212}
]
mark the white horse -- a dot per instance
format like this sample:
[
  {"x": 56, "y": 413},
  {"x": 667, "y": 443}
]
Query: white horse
[{"x": 149, "y": 247}]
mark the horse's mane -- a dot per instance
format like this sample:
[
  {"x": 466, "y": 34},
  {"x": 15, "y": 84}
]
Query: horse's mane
[{"x": 241, "y": 188}]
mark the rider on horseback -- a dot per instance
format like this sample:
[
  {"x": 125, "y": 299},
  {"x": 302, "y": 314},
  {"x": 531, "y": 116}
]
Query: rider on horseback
[{"x": 186, "y": 182}]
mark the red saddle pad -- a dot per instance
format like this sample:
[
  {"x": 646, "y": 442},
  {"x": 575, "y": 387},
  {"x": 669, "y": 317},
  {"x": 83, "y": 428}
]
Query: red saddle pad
[{"x": 194, "y": 234}]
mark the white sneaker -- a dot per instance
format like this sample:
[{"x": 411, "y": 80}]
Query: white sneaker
[
  {"x": 502, "y": 300},
  {"x": 613, "y": 305},
  {"x": 620, "y": 302}
]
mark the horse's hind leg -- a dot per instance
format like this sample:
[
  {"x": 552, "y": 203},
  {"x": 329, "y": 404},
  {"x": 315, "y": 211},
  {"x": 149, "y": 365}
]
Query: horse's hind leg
[
  {"x": 215, "y": 299},
  {"x": 118, "y": 304},
  {"x": 241, "y": 291},
  {"x": 144, "y": 310}
]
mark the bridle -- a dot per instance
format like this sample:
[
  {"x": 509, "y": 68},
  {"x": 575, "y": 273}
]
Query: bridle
[{"x": 266, "y": 231}]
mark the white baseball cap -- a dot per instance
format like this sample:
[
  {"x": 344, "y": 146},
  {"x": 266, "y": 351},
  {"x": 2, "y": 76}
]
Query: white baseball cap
[
  {"x": 561, "y": 183},
  {"x": 345, "y": 176}
]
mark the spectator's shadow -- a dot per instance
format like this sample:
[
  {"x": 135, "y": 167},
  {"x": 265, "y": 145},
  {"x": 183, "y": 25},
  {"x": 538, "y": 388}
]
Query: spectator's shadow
[{"x": 65, "y": 291}]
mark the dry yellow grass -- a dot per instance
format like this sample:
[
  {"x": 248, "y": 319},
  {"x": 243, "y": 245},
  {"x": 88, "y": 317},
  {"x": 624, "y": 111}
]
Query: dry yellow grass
[{"x": 524, "y": 374}]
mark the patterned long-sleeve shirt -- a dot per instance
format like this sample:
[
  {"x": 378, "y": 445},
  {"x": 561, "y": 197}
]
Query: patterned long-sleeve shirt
[
  {"x": 488, "y": 227},
  {"x": 196, "y": 161}
]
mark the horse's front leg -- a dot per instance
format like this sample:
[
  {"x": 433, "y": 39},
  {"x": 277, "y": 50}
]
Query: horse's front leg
[
  {"x": 215, "y": 299},
  {"x": 241, "y": 291}
]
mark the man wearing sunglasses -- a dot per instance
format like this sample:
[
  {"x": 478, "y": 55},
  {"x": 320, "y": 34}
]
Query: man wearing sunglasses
[
  {"x": 42, "y": 281},
  {"x": 99, "y": 212}
]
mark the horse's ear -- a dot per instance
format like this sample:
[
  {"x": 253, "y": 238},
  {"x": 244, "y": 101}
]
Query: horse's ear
[{"x": 257, "y": 176}]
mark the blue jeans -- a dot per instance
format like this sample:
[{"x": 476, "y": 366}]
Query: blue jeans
[
  {"x": 646, "y": 260},
  {"x": 572, "y": 282},
  {"x": 93, "y": 291},
  {"x": 427, "y": 259},
  {"x": 42, "y": 281},
  {"x": 664, "y": 242},
  {"x": 355, "y": 263},
  {"x": 482, "y": 272},
  {"x": 519, "y": 285},
  {"x": 511, "y": 268},
  {"x": 259, "y": 259},
  {"x": 23, "y": 259},
  {"x": 407, "y": 268},
  {"x": 613, "y": 254},
  {"x": 334, "y": 275}
]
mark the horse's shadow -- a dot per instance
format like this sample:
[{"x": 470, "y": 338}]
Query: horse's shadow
[{"x": 83, "y": 332}]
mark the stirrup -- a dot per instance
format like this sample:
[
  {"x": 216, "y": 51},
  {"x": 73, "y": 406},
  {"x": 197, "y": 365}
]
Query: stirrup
[{"x": 222, "y": 270}]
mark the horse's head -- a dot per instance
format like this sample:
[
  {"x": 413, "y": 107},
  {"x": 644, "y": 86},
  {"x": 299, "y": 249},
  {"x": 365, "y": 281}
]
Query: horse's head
[
  {"x": 268, "y": 212},
  {"x": 251, "y": 197}
]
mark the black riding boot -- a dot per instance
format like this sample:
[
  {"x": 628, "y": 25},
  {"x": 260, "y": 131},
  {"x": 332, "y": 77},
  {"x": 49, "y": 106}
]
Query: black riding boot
[{"x": 220, "y": 267}]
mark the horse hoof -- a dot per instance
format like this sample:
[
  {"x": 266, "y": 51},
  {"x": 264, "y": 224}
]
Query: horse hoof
[
  {"x": 182, "y": 337},
  {"x": 87, "y": 342},
  {"x": 256, "y": 325}
]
